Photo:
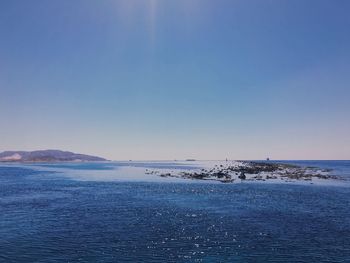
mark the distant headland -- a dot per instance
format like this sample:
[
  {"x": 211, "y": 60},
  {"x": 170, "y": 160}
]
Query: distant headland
[{"x": 47, "y": 156}]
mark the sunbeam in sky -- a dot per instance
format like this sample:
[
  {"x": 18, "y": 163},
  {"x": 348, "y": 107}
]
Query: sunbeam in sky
[{"x": 144, "y": 14}]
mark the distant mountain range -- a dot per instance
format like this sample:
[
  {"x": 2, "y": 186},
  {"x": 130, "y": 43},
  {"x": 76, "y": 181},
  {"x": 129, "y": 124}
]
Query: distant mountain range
[{"x": 47, "y": 156}]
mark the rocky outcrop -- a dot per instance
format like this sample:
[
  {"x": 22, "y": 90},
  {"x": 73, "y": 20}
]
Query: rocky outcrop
[{"x": 251, "y": 171}]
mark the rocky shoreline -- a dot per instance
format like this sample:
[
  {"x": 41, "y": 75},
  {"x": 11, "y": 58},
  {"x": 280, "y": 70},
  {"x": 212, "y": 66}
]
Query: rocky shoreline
[{"x": 228, "y": 172}]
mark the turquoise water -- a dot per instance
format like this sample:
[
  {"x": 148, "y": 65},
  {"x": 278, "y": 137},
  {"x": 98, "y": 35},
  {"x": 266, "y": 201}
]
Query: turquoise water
[{"x": 47, "y": 215}]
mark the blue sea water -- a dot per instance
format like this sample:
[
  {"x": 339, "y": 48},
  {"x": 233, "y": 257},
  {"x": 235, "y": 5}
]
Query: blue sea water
[{"x": 46, "y": 215}]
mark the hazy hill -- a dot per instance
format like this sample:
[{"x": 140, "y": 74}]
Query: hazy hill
[{"x": 46, "y": 156}]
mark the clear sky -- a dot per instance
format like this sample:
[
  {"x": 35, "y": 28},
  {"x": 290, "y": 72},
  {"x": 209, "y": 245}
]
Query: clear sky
[{"x": 173, "y": 79}]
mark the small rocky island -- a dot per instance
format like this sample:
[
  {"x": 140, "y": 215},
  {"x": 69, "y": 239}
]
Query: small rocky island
[
  {"x": 228, "y": 172},
  {"x": 47, "y": 156}
]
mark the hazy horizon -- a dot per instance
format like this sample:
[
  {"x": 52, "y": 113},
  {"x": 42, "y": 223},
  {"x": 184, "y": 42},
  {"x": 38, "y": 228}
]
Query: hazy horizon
[
  {"x": 165, "y": 80},
  {"x": 179, "y": 159}
]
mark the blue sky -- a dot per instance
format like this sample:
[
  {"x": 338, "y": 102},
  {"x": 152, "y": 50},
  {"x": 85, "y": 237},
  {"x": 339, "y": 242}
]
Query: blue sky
[{"x": 166, "y": 79}]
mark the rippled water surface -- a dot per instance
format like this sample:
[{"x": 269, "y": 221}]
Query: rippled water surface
[{"x": 64, "y": 213}]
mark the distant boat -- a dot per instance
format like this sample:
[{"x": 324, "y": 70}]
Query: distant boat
[
  {"x": 267, "y": 159},
  {"x": 190, "y": 160}
]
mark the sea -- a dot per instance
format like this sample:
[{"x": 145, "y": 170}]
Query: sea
[{"x": 113, "y": 212}]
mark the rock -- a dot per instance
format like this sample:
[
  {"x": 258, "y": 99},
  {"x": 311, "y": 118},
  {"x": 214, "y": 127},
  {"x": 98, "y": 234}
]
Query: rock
[
  {"x": 258, "y": 177},
  {"x": 165, "y": 175},
  {"x": 271, "y": 177},
  {"x": 220, "y": 174},
  {"x": 242, "y": 176}
]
